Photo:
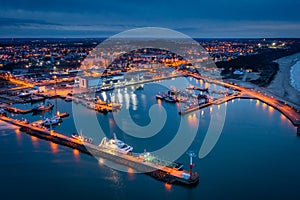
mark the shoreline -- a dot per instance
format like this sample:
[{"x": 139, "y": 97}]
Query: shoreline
[
  {"x": 294, "y": 69},
  {"x": 281, "y": 85}
]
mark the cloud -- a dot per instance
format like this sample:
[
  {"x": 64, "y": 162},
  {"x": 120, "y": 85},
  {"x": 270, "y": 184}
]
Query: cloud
[
  {"x": 197, "y": 18},
  {"x": 4, "y": 22}
]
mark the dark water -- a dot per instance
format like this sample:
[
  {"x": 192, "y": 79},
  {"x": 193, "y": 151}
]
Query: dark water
[{"x": 256, "y": 157}]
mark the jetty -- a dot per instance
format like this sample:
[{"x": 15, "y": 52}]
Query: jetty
[
  {"x": 17, "y": 110},
  {"x": 164, "y": 173},
  {"x": 290, "y": 112}
]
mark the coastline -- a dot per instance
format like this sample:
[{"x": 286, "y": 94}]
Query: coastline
[{"x": 281, "y": 85}]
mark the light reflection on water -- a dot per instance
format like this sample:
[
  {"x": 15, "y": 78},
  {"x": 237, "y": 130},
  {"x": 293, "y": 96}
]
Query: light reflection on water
[
  {"x": 76, "y": 154},
  {"x": 54, "y": 147},
  {"x": 245, "y": 128},
  {"x": 34, "y": 141}
]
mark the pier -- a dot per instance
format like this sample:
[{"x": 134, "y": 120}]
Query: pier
[
  {"x": 17, "y": 110},
  {"x": 215, "y": 102},
  {"x": 137, "y": 163},
  {"x": 290, "y": 112}
]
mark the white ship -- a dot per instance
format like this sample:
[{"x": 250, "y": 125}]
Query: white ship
[
  {"x": 116, "y": 144},
  {"x": 51, "y": 121}
]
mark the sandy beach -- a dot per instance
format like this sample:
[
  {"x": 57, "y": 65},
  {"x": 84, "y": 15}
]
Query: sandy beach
[{"x": 281, "y": 85}]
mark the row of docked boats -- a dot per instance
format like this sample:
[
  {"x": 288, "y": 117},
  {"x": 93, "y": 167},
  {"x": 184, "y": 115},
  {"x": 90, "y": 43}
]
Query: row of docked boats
[
  {"x": 171, "y": 98},
  {"x": 197, "y": 88},
  {"x": 105, "y": 88},
  {"x": 167, "y": 97}
]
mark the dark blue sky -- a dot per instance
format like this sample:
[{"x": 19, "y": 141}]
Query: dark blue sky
[{"x": 196, "y": 18}]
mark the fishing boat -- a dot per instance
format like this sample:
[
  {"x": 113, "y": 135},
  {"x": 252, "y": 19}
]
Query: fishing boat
[
  {"x": 24, "y": 94},
  {"x": 82, "y": 138},
  {"x": 36, "y": 98},
  {"x": 51, "y": 121},
  {"x": 107, "y": 88},
  {"x": 160, "y": 95},
  {"x": 170, "y": 99},
  {"x": 43, "y": 108},
  {"x": 116, "y": 145}
]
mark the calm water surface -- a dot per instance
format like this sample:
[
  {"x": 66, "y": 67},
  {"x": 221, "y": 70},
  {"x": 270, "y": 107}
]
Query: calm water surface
[{"x": 257, "y": 156}]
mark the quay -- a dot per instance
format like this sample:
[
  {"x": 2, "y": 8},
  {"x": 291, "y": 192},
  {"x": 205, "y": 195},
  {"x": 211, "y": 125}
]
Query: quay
[
  {"x": 17, "y": 110},
  {"x": 137, "y": 163},
  {"x": 215, "y": 102},
  {"x": 290, "y": 112}
]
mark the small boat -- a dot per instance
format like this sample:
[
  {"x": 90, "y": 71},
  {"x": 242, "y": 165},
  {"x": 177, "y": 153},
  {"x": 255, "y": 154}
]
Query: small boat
[
  {"x": 190, "y": 87},
  {"x": 82, "y": 138},
  {"x": 42, "y": 107},
  {"x": 2, "y": 112},
  {"x": 68, "y": 99},
  {"x": 170, "y": 99},
  {"x": 107, "y": 88},
  {"x": 51, "y": 121},
  {"x": 160, "y": 96},
  {"x": 140, "y": 87},
  {"x": 202, "y": 89},
  {"x": 116, "y": 145},
  {"x": 24, "y": 94},
  {"x": 62, "y": 115},
  {"x": 25, "y": 121},
  {"x": 36, "y": 98}
]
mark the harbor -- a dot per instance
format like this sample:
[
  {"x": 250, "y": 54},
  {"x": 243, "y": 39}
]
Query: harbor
[
  {"x": 289, "y": 111},
  {"x": 139, "y": 164},
  {"x": 93, "y": 101}
]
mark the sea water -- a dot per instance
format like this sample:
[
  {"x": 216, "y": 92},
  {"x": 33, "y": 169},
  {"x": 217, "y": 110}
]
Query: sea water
[{"x": 256, "y": 157}]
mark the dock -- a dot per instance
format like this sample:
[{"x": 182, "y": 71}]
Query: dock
[
  {"x": 215, "y": 102},
  {"x": 135, "y": 162},
  {"x": 17, "y": 110},
  {"x": 290, "y": 112}
]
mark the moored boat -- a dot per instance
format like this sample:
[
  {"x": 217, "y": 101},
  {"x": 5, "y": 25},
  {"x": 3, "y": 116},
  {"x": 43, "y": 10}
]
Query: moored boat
[
  {"x": 24, "y": 94},
  {"x": 42, "y": 107},
  {"x": 51, "y": 121},
  {"x": 107, "y": 88},
  {"x": 170, "y": 99},
  {"x": 37, "y": 98},
  {"x": 160, "y": 95},
  {"x": 116, "y": 145},
  {"x": 82, "y": 138}
]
